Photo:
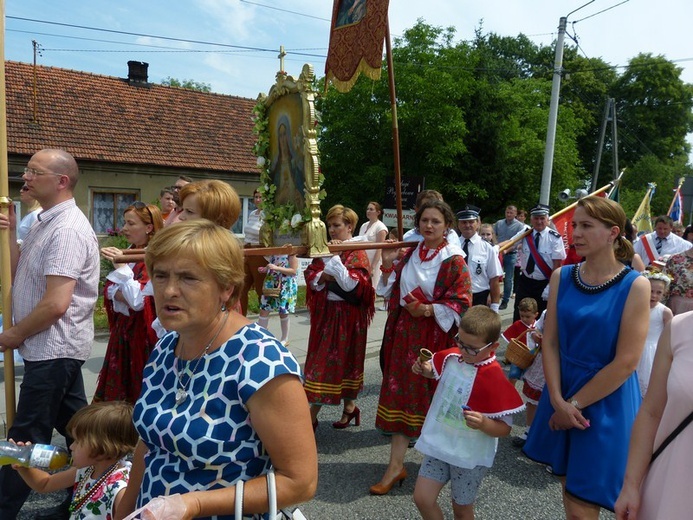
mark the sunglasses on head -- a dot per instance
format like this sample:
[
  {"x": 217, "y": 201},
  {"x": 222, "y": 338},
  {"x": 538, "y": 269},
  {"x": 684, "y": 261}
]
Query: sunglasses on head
[{"x": 138, "y": 204}]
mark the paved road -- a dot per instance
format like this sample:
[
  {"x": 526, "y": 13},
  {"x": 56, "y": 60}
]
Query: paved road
[{"x": 351, "y": 460}]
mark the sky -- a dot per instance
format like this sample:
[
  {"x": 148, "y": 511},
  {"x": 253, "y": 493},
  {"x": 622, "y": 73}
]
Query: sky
[{"x": 249, "y": 33}]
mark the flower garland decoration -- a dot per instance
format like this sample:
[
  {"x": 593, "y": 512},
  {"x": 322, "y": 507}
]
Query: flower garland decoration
[
  {"x": 284, "y": 218},
  {"x": 659, "y": 276}
]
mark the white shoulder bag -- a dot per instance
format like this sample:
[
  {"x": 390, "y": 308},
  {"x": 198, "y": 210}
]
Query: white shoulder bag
[{"x": 282, "y": 514}]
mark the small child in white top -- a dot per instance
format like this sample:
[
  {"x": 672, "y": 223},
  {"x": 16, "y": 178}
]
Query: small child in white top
[
  {"x": 660, "y": 315},
  {"x": 103, "y": 434},
  {"x": 471, "y": 408}
]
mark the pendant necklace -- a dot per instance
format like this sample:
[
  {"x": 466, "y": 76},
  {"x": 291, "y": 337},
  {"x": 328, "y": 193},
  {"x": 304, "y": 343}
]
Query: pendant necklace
[{"x": 182, "y": 389}]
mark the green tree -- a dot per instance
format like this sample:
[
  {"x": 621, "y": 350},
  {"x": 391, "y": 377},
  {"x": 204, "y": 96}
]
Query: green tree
[
  {"x": 473, "y": 118},
  {"x": 654, "y": 110},
  {"x": 189, "y": 84}
]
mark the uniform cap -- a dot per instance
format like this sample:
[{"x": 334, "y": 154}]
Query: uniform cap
[
  {"x": 469, "y": 212},
  {"x": 539, "y": 210}
]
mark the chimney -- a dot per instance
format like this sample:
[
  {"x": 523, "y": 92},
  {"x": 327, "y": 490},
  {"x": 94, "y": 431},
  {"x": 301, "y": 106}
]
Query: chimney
[{"x": 137, "y": 73}]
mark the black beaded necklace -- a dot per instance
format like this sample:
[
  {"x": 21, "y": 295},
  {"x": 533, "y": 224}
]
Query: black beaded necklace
[{"x": 593, "y": 289}]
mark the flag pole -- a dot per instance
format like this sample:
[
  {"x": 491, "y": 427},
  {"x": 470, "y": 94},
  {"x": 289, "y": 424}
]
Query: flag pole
[
  {"x": 676, "y": 194},
  {"x": 5, "y": 259},
  {"x": 504, "y": 246},
  {"x": 616, "y": 184},
  {"x": 395, "y": 128}
]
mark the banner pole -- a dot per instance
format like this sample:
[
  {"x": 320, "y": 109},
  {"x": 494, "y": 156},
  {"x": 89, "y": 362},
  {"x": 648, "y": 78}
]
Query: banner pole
[
  {"x": 5, "y": 258},
  {"x": 504, "y": 246},
  {"x": 395, "y": 129}
]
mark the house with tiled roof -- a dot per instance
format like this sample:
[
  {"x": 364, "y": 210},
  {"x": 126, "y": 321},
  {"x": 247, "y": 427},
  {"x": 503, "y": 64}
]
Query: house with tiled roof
[{"x": 130, "y": 137}]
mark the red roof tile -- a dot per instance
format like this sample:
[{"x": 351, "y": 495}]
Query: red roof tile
[{"x": 103, "y": 118}]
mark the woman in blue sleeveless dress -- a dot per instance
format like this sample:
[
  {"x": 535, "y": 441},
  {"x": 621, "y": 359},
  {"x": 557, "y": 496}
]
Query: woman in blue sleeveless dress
[{"x": 595, "y": 331}]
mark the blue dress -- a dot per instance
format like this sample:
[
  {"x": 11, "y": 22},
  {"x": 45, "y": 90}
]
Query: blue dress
[
  {"x": 206, "y": 441},
  {"x": 592, "y": 460}
]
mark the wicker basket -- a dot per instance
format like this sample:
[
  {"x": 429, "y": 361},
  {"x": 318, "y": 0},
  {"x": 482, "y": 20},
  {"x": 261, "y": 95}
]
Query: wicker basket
[{"x": 519, "y": 354}]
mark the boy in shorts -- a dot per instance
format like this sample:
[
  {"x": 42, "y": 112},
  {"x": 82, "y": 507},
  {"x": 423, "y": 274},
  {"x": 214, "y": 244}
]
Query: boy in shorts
[{"x": 472, "y": 407}]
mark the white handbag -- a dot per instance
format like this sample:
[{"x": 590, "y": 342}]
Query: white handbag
[{"x": 283, "y": 514}]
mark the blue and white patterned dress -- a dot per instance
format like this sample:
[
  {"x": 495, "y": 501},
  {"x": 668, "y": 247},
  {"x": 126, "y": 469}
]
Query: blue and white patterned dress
[
  {"x": 207, "y": 441},
  {"x": 286, "y": 302}
]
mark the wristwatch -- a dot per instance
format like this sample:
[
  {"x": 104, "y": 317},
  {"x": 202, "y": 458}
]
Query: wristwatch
[
  {"x": 576, "y": 404},
  {"x": 427, "y": 311}
]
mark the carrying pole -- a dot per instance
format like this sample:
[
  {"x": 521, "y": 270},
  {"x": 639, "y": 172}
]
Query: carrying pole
[
  {"x": 395, "y": 130},
  {"x": 5, "y": 259}
]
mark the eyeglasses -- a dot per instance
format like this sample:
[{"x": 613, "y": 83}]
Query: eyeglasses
[
  {"x": 138, "y": 204},
  {"x": 32, "y": 173},
  {"x": 472, "y": 351}
]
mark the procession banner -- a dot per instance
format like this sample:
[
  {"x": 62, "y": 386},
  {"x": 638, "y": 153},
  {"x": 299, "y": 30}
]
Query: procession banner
[
  {"x": 563, "y": 223},
  {"x": 676, "y": 207},
  {"x": 357, "y": 36},
  {"x": 642, "y": 219}
]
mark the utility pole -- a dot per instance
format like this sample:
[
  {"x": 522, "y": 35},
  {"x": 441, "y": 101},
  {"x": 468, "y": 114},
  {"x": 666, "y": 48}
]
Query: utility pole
[
  {"x": 614, "y": 139},
  {"x": 600, "y": 144},
  {"x": 553, "y": 108},
  {"x": 553, "y": 114}
]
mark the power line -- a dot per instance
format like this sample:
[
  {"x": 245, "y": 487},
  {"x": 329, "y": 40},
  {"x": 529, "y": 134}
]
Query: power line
[
  {"x": 198, "y": 42},
  {"x": 98, "y": 40},
  {"x": 286, "y": 11},
  {"x": 142, "y": 35},
  {"x": 602, "y": 11}
]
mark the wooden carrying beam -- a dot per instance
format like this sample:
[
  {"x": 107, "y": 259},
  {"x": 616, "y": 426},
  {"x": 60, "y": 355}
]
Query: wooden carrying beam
[{"x": 137, "y": 255}]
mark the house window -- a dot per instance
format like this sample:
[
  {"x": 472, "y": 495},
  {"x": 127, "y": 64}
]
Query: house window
[
  {"x": 107, "y": 209},
  {"x": 247, "y": 206}
]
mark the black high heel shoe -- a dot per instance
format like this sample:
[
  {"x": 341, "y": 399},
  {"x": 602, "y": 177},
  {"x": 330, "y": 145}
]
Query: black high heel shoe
[{"x": 354, "y": 414}]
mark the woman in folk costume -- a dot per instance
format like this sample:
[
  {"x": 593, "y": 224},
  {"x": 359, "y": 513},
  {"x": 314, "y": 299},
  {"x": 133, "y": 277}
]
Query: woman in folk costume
[
  {"x": 429, "y": 290},
  {"x": 341, "y": 300},
  {"x": 130, "y": 311}
]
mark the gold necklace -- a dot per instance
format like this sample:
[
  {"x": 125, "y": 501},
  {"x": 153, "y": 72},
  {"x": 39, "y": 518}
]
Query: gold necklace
[{"x": 182, "y": 389}]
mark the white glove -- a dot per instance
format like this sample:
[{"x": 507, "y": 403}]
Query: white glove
[
  {"x": 161, "y": 508},
  {"x": 495, "y": 307}
]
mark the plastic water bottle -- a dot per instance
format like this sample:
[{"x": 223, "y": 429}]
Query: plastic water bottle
[{"x": 42, "y": 456}]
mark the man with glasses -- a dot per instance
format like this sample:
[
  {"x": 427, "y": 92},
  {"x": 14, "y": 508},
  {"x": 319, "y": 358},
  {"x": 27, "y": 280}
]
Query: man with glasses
[
  {"x": 172, "y": 217},
  {"x": 56, "y": 278}
]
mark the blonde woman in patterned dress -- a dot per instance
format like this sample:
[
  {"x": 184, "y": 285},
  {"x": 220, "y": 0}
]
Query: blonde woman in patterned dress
[{"x": 222, "y": 399}]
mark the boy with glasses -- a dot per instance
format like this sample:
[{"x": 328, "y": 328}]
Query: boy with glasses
[{"x": 472, "y": 407}]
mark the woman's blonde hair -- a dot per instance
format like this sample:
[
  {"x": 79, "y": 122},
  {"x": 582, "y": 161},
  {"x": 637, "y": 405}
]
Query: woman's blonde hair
[
  {"x": 212, "y": 247},
  {"x": 105, "y": 429},
  {"x": 610, "y": 214},
  {"x": 347, "y": 215},
  {"x": 217, "y": 201}
]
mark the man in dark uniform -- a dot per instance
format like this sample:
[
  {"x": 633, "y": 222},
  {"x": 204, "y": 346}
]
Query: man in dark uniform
[{"x": 540, "y": 253}]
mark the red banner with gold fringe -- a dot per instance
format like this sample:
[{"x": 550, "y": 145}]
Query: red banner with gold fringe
[{"x": 356, "y": 41}]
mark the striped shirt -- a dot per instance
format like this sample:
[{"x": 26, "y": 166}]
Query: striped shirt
[{"x": 61, "y": 243}]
